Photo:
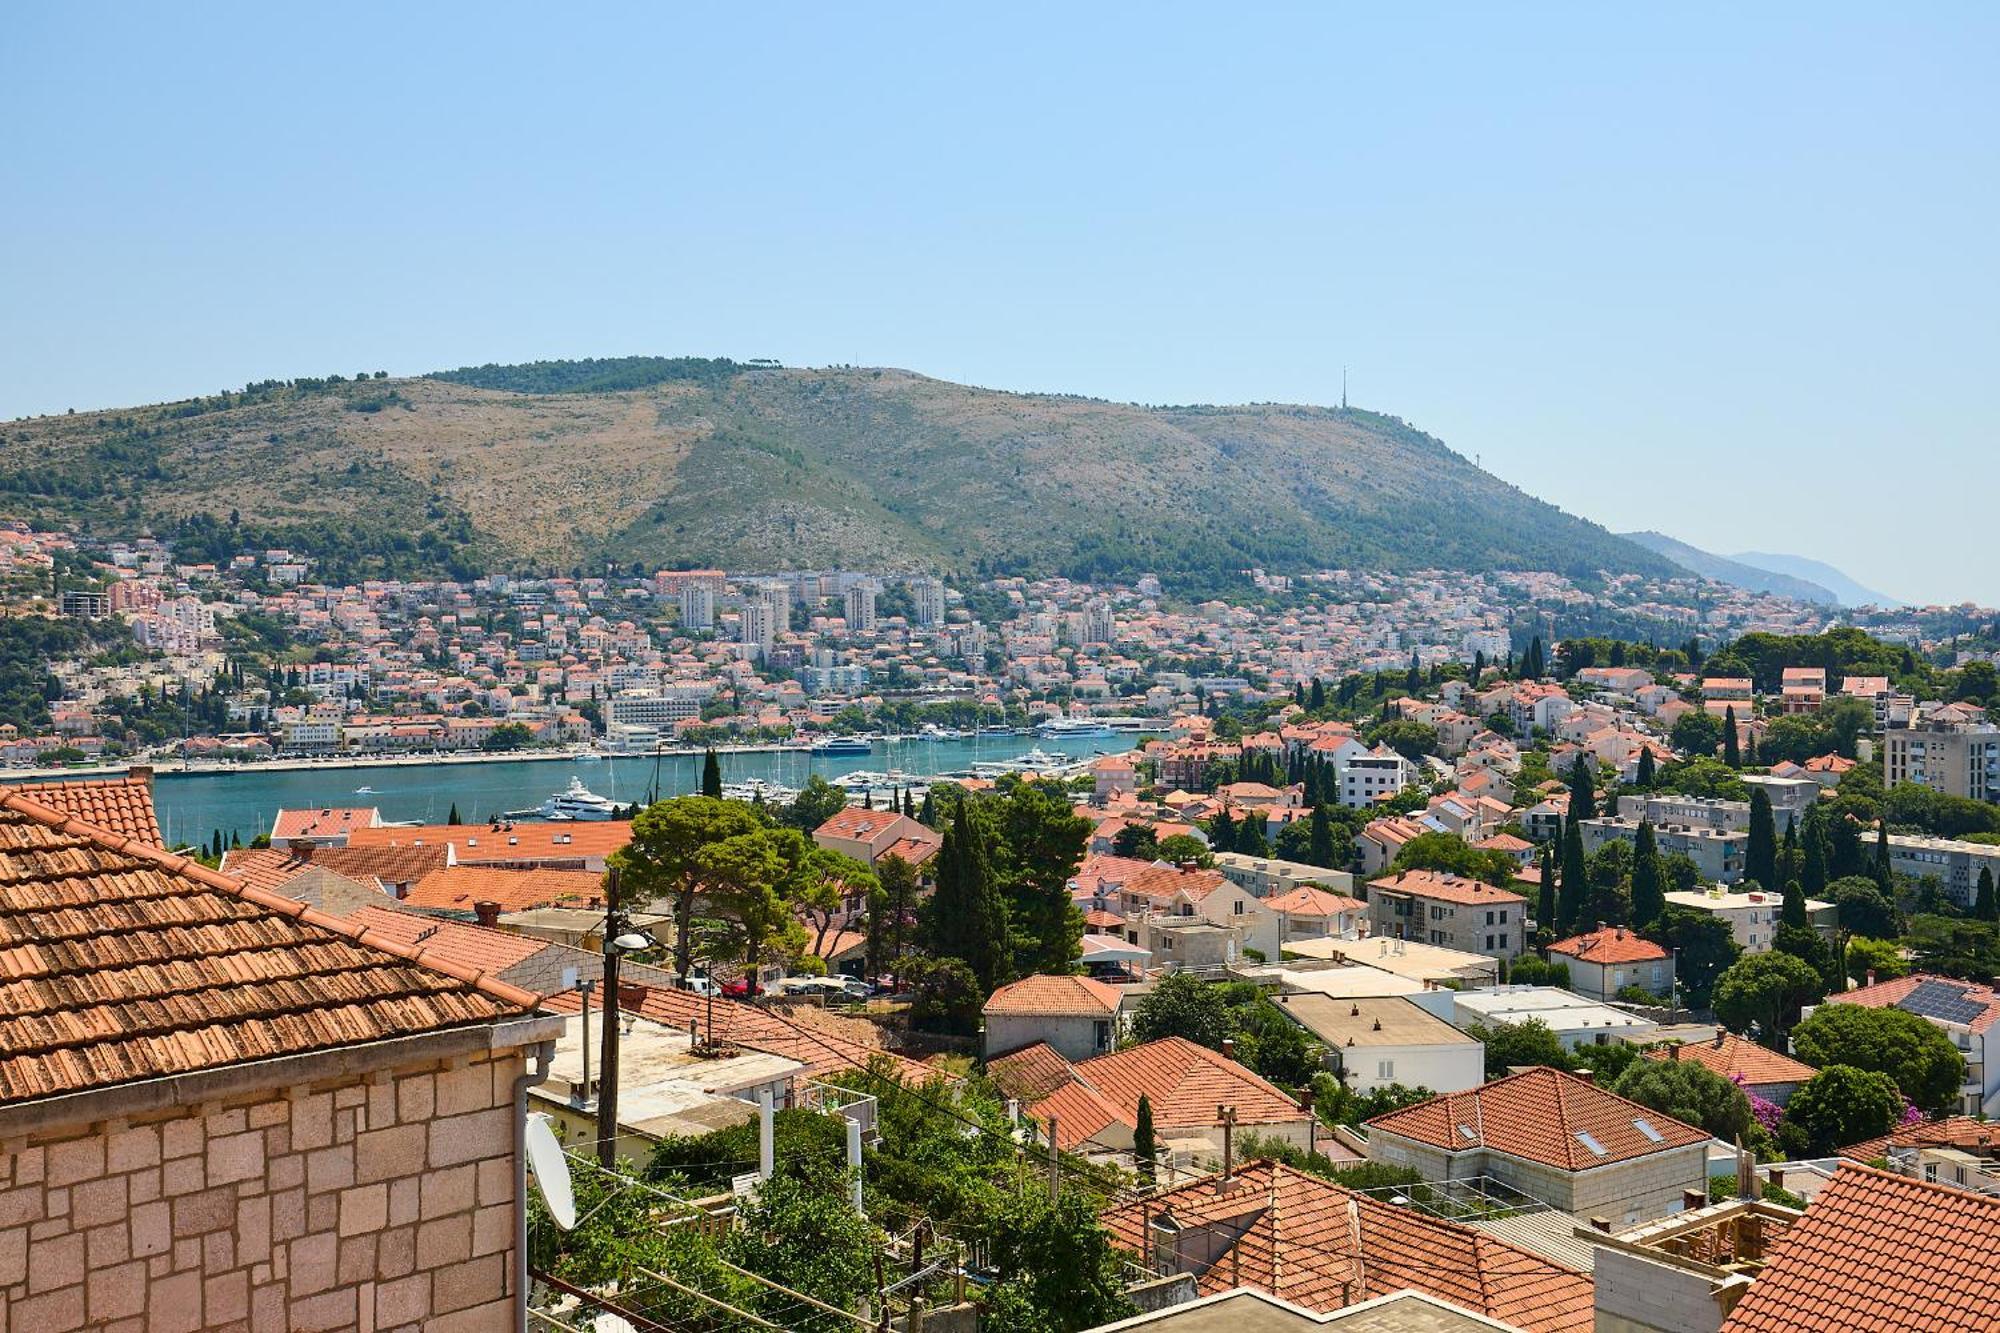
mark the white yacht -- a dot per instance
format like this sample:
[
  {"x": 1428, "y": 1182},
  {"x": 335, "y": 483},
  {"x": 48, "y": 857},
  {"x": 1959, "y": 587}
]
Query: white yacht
[
  {"x": 577, "y": 801},
  {"x": 1072, "y": 727}
]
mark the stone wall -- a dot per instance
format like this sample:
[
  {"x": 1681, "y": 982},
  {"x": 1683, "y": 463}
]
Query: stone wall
[{"x": 385, "y": 1205}]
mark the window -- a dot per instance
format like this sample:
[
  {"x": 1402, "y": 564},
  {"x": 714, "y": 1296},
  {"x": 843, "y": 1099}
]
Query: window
[
  {"x": 1503, "y": 916},
  {"x": 1385, "y": 1069},
  {"x": 1236, "y": 908},
  {"x": 1489, "y": 918}
]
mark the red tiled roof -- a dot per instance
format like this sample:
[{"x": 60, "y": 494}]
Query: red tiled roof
[
  {"x": 1958, "y": 1131},
  {"x": 1306, "y": 900},
  {"x": 1884, "y": 994},
  {"x": 274, "y": 867},
  {"x": 1446, "y": 888},
  {"x": 1614, "y": 944},
  {"x": 1735, "y": 1055},
  {"x": 1314, "y": 1243},
  {"x": 1148, "y": 879},
  {"x": 1538, "y": 1114},
  {"x": 459, "y": 887},
  {"x": 860, "y": 824},
  {"x": 1030, "y": 1073},
  {"x": 1184, "y": 1082},
  {"x": 914, "y": 850},
  {"x": 321, "y": 822},
  {"x": 120, "y": 961},
  {"x": 1880, "y": 1251},
  {"x": 822, "y": 1053},
  {"x": 524, "y": 841},
  {"x": 476, "y": 947},
  {"x": 121, "y": 805},
  {"x": 1054, "y": 995}
]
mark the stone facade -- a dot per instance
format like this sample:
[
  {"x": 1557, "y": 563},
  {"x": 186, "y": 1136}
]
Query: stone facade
[
  {"x": 1634, "y": 1190},
  {"x": 384, "y": 1202}
]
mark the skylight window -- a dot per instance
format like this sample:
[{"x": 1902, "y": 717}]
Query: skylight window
[
  {"x": 1645, "y": 1127},
  {"x": 1583, "y": 1137},
  {"x": 1466, "y": 1130}
]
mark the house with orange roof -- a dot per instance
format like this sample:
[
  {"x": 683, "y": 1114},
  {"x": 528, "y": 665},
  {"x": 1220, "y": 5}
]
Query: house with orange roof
[
  {"x": 486, "y": 891},
  {"x": 326, "y": 825},
  {"x": 223, "y": 1090},
  {"x": 1554, "y": 1136},
  {"x": 869, "y": 835},
  {"x": 1968, "y": 1012},
  {"x": 1381, "y": 839},
  {"x": 1450, "y": 911},
  {"x": 1077, "y": 1016},
  {"x": 1309, "y": 912},
  {"x": 565, "y": 844},
  {"x": 121, "y": 805},
  {"x": 1750, "y": 1065},
  {"x": 1325, "y": 1248},
  {"x": 1605, "y": 961}
]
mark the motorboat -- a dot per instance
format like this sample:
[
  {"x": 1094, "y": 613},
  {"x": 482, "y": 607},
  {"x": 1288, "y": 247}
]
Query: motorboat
[{"x": 577, "y": 801}]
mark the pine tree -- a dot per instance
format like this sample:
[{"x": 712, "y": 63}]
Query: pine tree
[
  {"x": 1730, "y": 754},
  {"x": 1760, "y": 856},
  {"x": 1321, "y": 844},
  {"x": 1144, "y": 1146},
  {"x": 1646, "y": 776},
  {"x": 1793, "y": 910},
  {"x": 1649, "y": 897},
  {"x": 1575, "y": 889},
  {"x": 1983, "y": 905},
  {"x": 1582, "y": 789},
  {"x": 1545, "y": 904},
  {"x": 452, "y": 818}
]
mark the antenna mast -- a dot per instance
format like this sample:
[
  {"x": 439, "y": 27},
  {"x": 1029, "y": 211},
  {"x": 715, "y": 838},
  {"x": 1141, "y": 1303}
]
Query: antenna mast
[{"x": 1343, "y": 388}]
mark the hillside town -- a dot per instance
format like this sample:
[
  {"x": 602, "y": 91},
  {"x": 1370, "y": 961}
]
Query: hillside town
[{"x": 1438, "y": 951}]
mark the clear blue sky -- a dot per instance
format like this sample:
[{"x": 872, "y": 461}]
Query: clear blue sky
[{"x": 1727, "y": 272}]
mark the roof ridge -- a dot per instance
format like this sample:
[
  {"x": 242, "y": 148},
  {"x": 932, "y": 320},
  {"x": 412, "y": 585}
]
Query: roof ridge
[{"x": 176, "y": 864}]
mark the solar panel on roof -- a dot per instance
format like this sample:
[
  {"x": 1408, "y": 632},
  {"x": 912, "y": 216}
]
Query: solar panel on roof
[{"x": 1944, "y": 1001}]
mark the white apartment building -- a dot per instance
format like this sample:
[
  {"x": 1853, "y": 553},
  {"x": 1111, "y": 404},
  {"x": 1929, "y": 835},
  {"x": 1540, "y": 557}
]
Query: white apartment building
[
  {"x": 927, "y": 601},
  {"x": 1954, "y": 752},
  {"x": 759, "y": 627},
  {"x": 1366, "y": 778},
  {"x": 1753, "y": 916},
  {"x": 697, "y": 606},
  {"x": 860, "y": 608},
  {"x": 1955, "y": 864}
]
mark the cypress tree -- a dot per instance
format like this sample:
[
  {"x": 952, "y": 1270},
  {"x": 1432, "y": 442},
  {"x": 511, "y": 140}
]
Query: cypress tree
[
  {"x": 1791, "y": 863},
  {"x": 1983, "y": 906},
  {"x": 235, "y": 839},
  {"x": 1316, "y": 700},
  {"x": 968, "y": 917},
  {"x": 1144, "y": 1146},
  {"x": 1730, "y": 754},
  {"x": 1813, "y": 854},
  {"x": 1649, "y": 895},
  {"x": 711, "y": 775},
  {"x": 1760, "y": 857},
  {"x": 1575, "y": 889},
  {"x": 1885, "y": 878},
  {"x": 452, "y": 818},
  {"x": 1222, "y": 832},
  {"x": 1250, "y": 838},
  {"x": 909, "y": 804},
  {"x": 1478, "y": 665},
  {"x": 1582, "y": 789},
  {"x": 1299, "y": 693},
  {"x": 1646, "y": 776},
  {"x": 1321, "y": 831},
  {"x": 1750, "y": 750},
  {"x": 1793, "y": 910},
  {"x": 927, "y": 812},
  {"x": 1545, "y": 903}
]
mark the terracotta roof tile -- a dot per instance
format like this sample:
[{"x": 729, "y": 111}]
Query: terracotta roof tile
[
  {"x": 1734, "y": 1055},
  {"x": 1309, "y": 900},
  {"x": 122, "y": 805},
  {"x": 519, "y": 842},
  {"x": 457, "y": 888},
  {"x": 1103, "y": 874},
  {"x": 1884, "y": 994},
  {"x": 1318, "y": 1245},
  {"x": 1958, "y": 1131},
  {"x": 1055, "y": 995},
  {"x": 322, "y": 822},
  {"x": 1445, "y": 888},
  {"x": 1877, "y": 1252},
  {"x": 1184, "y": 1082},
  {"x": 1614, "y": 944},
  {"x": 274, "y": 867},
  {"x": 120, "y": 961},
  {"x": 1030, "y": 1073},
  {"x": 1541, "y": 1115},
  {"x": 476, "y": 947}
]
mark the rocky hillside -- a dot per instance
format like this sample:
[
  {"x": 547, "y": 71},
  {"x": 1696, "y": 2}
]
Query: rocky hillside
[{"x": 560, "y": 465}]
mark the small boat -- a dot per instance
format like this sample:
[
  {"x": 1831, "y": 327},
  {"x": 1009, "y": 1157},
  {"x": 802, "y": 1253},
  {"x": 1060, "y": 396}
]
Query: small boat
[
  {"x": 578, "y": 802},
  {"x": 844, "y": 745},
  {"x": 364, "y": 791}
]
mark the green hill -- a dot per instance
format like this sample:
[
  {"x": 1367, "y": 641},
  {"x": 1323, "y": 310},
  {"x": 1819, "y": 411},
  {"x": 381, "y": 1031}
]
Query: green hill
[{"x": 651, "y": 461}]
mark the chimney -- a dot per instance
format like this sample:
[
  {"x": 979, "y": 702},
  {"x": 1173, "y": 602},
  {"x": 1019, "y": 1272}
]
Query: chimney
[
  {"x": 1721, "y": 1036},
  {"x": 1870, "y": 976},
  {"x": 1586, "y": 1075},
  {"x": 300, "y": 848},
  {"x": 1777, "y": 1175},
  {"x": 486, "y": 912},
  {"x": 1674, "y": 1052},
  {"x": 1229, "y": 1048},
  {"x": 140, "y": 773}
]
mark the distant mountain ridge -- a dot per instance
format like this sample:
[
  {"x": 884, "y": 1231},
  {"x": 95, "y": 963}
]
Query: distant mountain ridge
[
  {"x": 1783, "y": 575},
  {"x": 651, "y": 461}
]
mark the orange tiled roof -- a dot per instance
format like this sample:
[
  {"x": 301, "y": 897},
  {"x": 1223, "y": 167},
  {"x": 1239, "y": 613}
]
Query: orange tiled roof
[
  {"x": 483, "y": 950},
  {"x": 1880, "y": 1251},
  {"x": 458, "y": 887},
  {"x": 1734, "y": 1055},
  {"x": 274, "y": 867},
  {"x": 1884, "y": 994},
  {"x": 1446, "y": 888},
  {"x": 1030, "y": 1073},
  {"x": 120, "y": 962},
  {"x": 1295, "y": 1236},
  {"x": 1958, "y": 1131},
  {"x": 822, "y": 1053},
  {"x": 859, "y": 824},
  {"x": 1539, "y": 1114},
  {"x": 1185, "y": 1082},
  {"x": 483, "y": 842},
  {"x": 1148, "y": 879},
  {"x": 1306, "y": 900},
  {"x": 122, "y": 805},
  {"x": 1614, "y": 944},
  {"x": 321, "y": 822},
  {"x": 914, "y": 850},
  {"x": 1054, "y": 995}
]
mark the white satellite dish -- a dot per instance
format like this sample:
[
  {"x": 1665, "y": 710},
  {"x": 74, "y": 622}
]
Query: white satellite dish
[
  {"x": 551, "y": 1170},
  {"x": 612, "y": 1323}
]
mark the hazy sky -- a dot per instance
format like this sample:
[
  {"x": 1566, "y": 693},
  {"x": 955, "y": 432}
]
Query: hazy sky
[{"x": 1726, "y": 272}]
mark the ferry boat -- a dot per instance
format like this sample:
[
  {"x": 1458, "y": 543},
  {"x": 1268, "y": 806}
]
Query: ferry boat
[
  {"x": 1058, "y": 728},
  {"x": 844, "y": 745},
  {"x": 577, "y": 801}
]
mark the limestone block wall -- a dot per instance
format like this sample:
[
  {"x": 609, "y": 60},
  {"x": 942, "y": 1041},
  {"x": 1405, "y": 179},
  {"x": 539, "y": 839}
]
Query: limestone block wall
[{"x": 385, "y": 1204}]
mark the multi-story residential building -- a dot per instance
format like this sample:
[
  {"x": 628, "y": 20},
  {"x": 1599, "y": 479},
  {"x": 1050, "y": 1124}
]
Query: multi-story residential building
[
  {"x": 759, "y": 626},
  {"x": 632, "y": 717},
  {"x": 1969, "y": 1014},
  {"x": 1953, "y": 863},
  {"x": 1367, "y": 778},
  {"x": 1717, "y": 853},
  {"x": 1953, "y": 750},
  {"x": 697, "y": 605},
  {"x": 86, "y": 605},
  {"x": 1803, "y": 689},
  {"x": 1449, "y": 911},
  {"x": 1267, "y": 876},
  {"x": 860, "y": 608},
  {"x": 1375, "y": 1041},
  {"x": 927, "y": 601},
  {"x": 1753, "y": 914},
  {"x": 1577, "y": 1021},
  {"x": 1602, "y": 963}
]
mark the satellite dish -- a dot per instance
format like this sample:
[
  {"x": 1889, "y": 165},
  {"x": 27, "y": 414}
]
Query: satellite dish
[
  {"x": 551, "y": 1170},
  {"x": 611, "y": 1323}
]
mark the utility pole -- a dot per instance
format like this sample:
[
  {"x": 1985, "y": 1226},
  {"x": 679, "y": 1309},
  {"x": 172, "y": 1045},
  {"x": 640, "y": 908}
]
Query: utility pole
[
  {"x": 584, "y": 988},
  {"x": 607, "y": 1097},
  {"x": 1055, "y": 1164}
]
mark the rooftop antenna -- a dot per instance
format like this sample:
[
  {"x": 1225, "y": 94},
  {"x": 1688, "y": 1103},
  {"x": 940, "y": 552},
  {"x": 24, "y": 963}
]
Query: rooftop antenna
[{"x": 1343, "y": 388}]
